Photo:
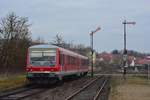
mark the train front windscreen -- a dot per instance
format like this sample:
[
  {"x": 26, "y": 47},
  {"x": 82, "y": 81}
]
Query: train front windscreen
[{"x": 42, "y": 57}]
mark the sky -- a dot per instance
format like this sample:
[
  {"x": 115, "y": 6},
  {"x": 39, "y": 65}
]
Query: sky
[{"x": 75, "y": 19}]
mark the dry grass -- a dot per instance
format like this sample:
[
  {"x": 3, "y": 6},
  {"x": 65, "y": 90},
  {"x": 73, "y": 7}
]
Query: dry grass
[
  {"x": 133, "y": 88},
  {"x": 11, "y": 82}
]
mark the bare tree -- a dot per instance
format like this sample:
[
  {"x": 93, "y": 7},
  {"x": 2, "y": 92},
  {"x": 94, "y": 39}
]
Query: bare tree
[
  {"x": 15, "y": 37},
  {"x": 39, "y": 40},
  {"x": 58, "y": 41},
  {"x": 80, "y": 48}
]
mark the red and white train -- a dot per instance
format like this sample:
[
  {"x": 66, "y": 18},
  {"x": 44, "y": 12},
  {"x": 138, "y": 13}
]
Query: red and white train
[{"x": 46, "y": 62}]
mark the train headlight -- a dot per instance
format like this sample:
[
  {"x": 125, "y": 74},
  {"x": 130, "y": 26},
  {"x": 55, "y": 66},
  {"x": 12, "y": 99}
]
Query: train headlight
[
  {"x": 52, "y": 70},
  {"x": 27, "y": 69}
]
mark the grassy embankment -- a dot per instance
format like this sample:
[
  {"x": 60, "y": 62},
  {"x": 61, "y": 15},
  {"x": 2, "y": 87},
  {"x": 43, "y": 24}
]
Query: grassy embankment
[
  {"x": 133, "y": 88},
  {"x": 11, "y": 82}
]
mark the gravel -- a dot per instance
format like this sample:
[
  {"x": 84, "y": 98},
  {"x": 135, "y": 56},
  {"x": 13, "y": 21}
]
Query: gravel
[{"x": 62, "y": 91}]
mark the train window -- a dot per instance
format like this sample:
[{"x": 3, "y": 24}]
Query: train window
[
  {"x": 69, "y": 60},
  {"x": 87, "y": 62},
  {"x": 42, "y": 57},
  {"x": 74, "y": 60},
  {"x": 36, "y": 54},
  {"x": 84, "y": 62},
  {"x": 64, "y": 59}
]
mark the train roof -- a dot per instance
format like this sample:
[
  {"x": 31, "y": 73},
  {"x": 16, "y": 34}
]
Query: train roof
[
  {"x": 44, "y": 46},
  {"x": 61, "y": 49}
]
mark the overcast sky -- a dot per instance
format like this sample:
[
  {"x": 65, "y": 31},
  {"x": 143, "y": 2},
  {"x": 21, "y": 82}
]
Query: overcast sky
[{"x": 75, "y": 19}]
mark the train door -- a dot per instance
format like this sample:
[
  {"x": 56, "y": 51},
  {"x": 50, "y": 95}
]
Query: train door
[
  {"x": 61, "y": 61},
  {"x": 78, "y": 65},
  {"x": 65, "y": 63}
]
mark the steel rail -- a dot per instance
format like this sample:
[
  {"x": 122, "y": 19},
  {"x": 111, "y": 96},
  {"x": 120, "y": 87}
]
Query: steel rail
[
  {"x": 22, "y": 97},
  {"x": 9, "y": 95},
  {"x": 16, "y": 91},
  {"x": 100, "y": 90},
  {"x": 81, "y": 89},
  {"x": 34, "y": 93}
]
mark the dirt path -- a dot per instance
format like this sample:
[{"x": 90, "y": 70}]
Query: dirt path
[{"x": 134, "y": 88}]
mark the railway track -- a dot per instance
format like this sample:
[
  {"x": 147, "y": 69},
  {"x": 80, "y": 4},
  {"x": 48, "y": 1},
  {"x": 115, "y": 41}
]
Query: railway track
[
  {"x": 29, "y": 91},
  {"x": 91, "y": 91},
  {"x": 22, "y": 93}
]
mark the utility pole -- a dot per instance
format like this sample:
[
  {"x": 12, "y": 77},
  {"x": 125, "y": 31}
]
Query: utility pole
[
  {"x": 125, "y": 48},
  {"x": 92, "y": 51}
]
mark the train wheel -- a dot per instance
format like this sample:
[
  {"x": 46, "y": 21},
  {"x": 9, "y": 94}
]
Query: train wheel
[
  {"x": 85, "y": 73},
  {"x": 60, "y": 82},
  {"x": 81, "y": 74}
]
